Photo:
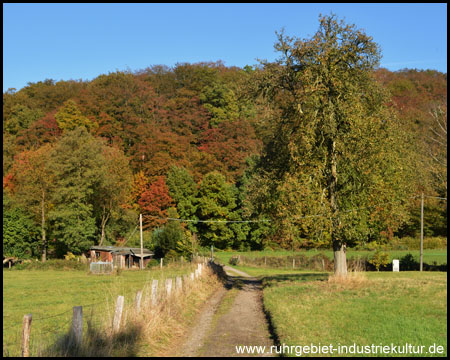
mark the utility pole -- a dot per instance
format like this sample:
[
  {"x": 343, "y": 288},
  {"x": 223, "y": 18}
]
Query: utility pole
[
  {"x": 142, "y": 246},
  {"x": 421, "y": 233}
]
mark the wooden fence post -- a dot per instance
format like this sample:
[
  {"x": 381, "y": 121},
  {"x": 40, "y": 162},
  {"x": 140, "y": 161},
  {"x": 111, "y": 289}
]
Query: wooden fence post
[
  {"x": 161, "y": 263},
  {"x": 192, "y": 276},
  {"x": 118, "y": 313},
  {"x": 178, "y": 284},
  {"x": 293, "y": 263},
  {"x": 137, "y": 301},
  {"x": 26, "y": 335},
  {"x": 76, "y": 335},
  {"x": 154, "y": 291},
  {"x": 168, "y": 286}
]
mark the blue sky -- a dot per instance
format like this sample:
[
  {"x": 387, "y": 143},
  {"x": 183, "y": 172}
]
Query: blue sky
[{"x": 82, "y": 41}]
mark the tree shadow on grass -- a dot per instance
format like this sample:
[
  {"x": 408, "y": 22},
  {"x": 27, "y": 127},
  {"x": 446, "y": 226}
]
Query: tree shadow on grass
[
  {"x": 271, "y": 280},
  {"x": 242, "y": 283},
  {"x": 98, "y": 343}
]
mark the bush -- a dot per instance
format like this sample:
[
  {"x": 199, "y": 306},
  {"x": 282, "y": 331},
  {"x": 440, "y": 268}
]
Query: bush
[
  {"x": 408, "y": 263},
  {"x": 234, "y": 260},
  {"x": 69, "y": 256},
  {"x": 166, "y": 239},
  {"x": 380, "y": 258},
  {"x": 413, "y": 243},
  {"x": 408, "y": 243},
  {"x": 54, "y": 264},
  {"x": 152, "y": 263}
]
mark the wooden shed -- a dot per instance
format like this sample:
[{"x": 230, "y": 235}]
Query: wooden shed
[{"x": 121, "y": 257}]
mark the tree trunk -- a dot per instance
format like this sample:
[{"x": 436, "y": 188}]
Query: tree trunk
[
  {"x": 340, "y": 259},
  {"x": 44, "y": 240},
  {"x": 105, "y": 218},
  {"x": 103, "y": 234},
  {"x": 339, "y": 247}
]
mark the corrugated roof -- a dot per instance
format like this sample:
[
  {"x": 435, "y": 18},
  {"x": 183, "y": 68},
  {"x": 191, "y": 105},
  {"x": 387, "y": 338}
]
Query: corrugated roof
[{"x": 123, "y": 250}]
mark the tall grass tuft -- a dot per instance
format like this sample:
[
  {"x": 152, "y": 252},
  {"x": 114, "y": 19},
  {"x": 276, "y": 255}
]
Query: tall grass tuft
[{"x": 353, "y": 280}]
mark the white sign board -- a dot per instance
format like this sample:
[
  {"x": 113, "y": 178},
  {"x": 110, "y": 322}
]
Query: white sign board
[{"x": 395, "y": 265}]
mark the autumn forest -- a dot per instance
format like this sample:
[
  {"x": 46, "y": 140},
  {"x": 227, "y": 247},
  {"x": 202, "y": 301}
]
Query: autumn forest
[{"x": 320, "y": 148}]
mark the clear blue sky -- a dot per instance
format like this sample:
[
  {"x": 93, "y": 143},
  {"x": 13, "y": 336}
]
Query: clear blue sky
[{"x": 82, "y": 41}]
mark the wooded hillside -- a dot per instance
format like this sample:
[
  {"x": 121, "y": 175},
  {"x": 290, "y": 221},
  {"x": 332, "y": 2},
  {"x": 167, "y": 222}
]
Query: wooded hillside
[{"x": 81, "y": 159}]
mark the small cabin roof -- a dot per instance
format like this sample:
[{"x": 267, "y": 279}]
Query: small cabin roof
[{"x": 123, "y": 250}]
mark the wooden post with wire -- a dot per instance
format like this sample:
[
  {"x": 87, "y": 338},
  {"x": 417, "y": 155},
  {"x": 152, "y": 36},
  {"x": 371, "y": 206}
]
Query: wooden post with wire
[
  {"x": 26, "y": 330},
  {"x": 137, "y": 301},
  {"x": 154, "y": 292},
  {"x": 76, "y": 334},
  {"x": 421, "y": 233},
  {"x": 118, "y": 313},
  {"x": 142, "y": 246}
]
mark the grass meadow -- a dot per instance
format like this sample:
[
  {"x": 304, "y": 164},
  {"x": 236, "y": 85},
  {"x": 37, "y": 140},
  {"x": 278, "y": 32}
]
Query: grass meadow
[
  {"x": 380, "y": 308},
  {"x": 49, "y": 295}
]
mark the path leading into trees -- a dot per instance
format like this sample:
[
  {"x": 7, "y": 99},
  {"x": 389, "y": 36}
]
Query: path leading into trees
[{"x": 220, "y": 327}]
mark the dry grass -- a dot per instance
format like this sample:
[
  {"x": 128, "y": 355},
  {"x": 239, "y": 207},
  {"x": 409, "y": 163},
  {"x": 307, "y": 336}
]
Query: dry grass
[
  {"x": 148, "y": 332},
  {"x": 353, "y": 280}
]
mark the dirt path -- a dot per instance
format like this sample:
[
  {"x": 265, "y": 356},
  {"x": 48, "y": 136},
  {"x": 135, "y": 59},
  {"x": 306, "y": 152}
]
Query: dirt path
[{"x": 244, "y": 323}]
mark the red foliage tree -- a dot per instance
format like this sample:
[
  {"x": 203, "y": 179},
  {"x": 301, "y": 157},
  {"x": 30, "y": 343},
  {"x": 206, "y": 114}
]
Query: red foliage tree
[
  {"x": 154, "y": 203},
  {"x": 230, "y": 143},
  {"x": 43, "y": 131}
]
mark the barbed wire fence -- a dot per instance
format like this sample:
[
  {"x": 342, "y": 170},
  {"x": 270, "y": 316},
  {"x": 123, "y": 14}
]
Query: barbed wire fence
[{"x": 37, "y": 336}]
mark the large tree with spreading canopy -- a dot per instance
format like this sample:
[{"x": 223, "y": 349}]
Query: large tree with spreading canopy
[{"x": 333, "y": 165}]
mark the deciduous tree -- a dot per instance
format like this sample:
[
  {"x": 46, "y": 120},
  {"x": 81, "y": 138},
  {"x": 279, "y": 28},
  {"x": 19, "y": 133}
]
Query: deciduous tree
[
  {"x": 155, "y": 202},
  {"x": 333, "y": 139},
  {"x": 76, "y": 161},
  {"x": 32, "y": 186}
]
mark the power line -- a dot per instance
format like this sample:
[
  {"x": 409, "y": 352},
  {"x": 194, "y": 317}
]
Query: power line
[
  {"x": 436, "y": 197},
  {"x": 208, "y": 221},
  {"x": 130, "y": 235},
  {"x": 255, "y": 221},
  {"x": 264, "y": 220}
]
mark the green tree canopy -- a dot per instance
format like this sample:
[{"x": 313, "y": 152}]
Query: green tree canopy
[
  {"x": 31, "y": 184},
  {"x": 334, "y": 151},
  {"x": 20, "y": 233},
  {"x": 183, "y": 189},
  {"x": 76, "y": 161},
  {"x": 217, "y": 201},
  {"x": 69, "y": 117}
]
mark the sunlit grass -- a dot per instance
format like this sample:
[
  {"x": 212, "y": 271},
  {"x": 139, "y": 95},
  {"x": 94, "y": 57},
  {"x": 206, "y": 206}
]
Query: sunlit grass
[
  {"x": 369, "y": 308},
  {"x": 49, "y": 293}
]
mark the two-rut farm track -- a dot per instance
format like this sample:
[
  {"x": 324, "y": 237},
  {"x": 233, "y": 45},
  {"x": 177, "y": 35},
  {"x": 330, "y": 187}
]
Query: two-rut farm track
[{"x": 243, "y": 323}]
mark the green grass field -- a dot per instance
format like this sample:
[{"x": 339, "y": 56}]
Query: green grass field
[
  {"x": 49, "y": 295},
  {"x": 380, "y": 308},
  {"x": 429, "y": 255}
]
